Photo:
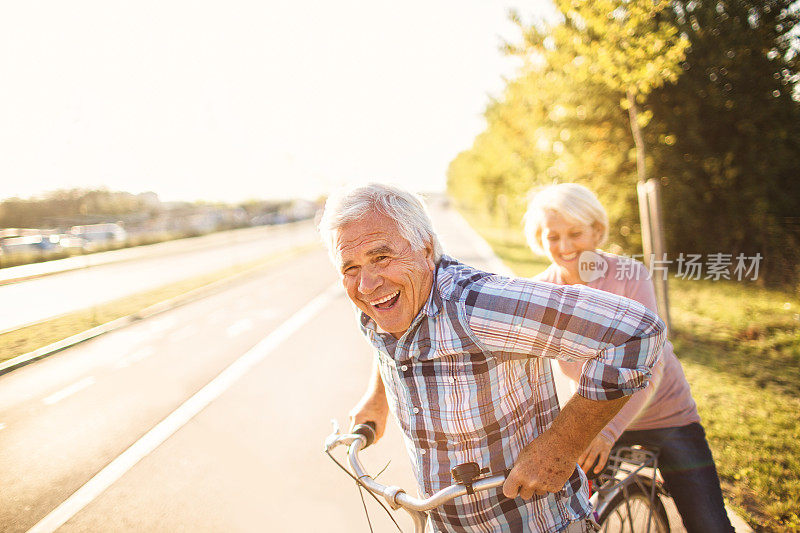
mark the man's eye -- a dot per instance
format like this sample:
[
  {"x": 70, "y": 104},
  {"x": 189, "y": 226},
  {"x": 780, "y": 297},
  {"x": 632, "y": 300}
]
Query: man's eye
[
  {"x": 552, "y": 237},
  {"x": 351, "y": 271},
  {"x": 575, "y": 235}
]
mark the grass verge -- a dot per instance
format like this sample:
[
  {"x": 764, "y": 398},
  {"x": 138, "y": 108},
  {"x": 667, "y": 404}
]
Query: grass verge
[
  {"x": 740, "y": 348},
  {"x": 33, "y": 337}
]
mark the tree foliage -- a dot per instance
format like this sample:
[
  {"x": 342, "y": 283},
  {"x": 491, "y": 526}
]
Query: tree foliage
[
  {"x": 723, "y": 128},
  {"x": 727, "y": 134},
  {"x": 48, "y": 210}
]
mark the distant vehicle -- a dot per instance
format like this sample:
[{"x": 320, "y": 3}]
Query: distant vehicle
[
  {"x": 97, "y": 234},
  {"x": 28, "y": 243},
  {"x": 70, "y": 242}
]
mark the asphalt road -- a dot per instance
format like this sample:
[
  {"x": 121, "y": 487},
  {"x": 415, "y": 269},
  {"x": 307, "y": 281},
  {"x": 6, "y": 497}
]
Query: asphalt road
[{"x": 208, "y": 417}]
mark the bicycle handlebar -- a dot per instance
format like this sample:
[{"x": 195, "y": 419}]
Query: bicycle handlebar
[
  {"x": 367, "y": 431},
  {"x": 362, "y": 436}
]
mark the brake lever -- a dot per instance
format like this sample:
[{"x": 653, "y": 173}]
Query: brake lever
[{"x": 333, "y": 438}]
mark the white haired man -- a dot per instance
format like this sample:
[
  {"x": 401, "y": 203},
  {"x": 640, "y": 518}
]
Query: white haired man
[{"x": 463, "y": 363}]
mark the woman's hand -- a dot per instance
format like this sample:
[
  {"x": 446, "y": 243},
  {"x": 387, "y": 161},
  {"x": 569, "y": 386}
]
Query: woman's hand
[{"x": 596, "y": 454}]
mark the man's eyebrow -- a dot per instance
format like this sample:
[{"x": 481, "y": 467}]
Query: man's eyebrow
[{"x": 382, "y": 249}]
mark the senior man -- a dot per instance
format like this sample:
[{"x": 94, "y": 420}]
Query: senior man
[{"x": 463, "y": 363}]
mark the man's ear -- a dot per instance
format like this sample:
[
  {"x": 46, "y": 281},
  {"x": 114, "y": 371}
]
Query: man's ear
[{"x": 429, "y": 255}]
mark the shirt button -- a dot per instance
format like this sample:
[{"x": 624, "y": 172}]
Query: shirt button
[
  {"x": 404, "y": 368},
  {"x": 423, "y": 452},
  {"x": 452, "y": 379},
  {"x": 416, "y": 410}
]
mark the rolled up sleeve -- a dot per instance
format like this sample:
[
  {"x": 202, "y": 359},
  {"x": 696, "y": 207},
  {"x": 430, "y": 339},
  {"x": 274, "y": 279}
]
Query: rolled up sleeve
[{"x": 618, "y": 339}]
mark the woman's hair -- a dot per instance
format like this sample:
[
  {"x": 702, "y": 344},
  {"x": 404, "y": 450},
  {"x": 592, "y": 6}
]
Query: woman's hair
[
  {"x": 405, "y": 208},
  {"x": 569, "y": 200}
]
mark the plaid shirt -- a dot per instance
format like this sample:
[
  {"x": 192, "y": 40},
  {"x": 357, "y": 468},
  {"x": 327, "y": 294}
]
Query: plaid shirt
[{"x": 470, "y": 380}]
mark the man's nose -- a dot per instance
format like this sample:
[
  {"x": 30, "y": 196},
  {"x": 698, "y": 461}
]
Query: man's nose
[{"x": 369, "y": 281}]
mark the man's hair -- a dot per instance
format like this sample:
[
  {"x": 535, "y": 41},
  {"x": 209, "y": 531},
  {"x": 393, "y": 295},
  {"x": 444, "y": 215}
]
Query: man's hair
[
  {"x": 570, "y": 200},
  {"x": 406, "y": 209}
]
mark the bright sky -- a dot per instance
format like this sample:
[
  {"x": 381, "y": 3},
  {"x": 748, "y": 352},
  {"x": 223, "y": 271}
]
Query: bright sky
[{"x": 244, "y": 99}]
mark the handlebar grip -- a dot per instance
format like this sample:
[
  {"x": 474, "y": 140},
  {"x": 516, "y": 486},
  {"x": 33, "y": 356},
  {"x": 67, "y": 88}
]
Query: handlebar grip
[{"x": 367, "y": 431}]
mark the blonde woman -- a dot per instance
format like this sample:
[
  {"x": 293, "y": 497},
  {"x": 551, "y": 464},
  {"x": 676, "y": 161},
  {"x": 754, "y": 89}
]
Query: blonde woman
[{"x": 568, "y": 224}]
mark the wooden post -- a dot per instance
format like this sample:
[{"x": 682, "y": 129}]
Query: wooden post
[
  {"x": 649, "y": 209},
  {"x": 653, "y": 191},
  {"x": 646, "y": 223}
]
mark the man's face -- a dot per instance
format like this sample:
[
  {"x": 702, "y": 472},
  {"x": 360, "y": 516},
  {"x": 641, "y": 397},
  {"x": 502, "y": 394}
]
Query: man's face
[{"x": 383, "y": 276}]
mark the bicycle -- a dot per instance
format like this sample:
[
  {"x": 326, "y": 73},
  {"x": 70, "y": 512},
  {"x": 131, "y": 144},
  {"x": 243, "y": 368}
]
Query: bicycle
[
  {"x": 627, "y": 498},
  {"x": 467, "y": 478}
]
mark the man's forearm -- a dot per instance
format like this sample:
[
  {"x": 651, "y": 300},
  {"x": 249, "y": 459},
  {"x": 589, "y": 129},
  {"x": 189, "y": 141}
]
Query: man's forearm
[
  {"x": 580, "y": 421},
  {"x": 375, "y": 384},
  {"x": 373, "y": 406},
  {"x": 546, "y": 463}
]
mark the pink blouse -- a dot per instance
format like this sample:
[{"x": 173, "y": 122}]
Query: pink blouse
[{"x": 667, "y": 400}]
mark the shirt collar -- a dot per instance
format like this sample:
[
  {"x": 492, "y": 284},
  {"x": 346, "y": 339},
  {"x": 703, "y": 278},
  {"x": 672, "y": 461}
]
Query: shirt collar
[{"x": 434, "y": 302}]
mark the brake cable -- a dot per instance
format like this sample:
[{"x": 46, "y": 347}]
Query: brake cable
[{"x": 360, "y": 484}]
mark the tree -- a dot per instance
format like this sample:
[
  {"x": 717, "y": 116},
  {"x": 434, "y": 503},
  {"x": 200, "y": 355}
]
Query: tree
[
  {"x": 723, "y": 138},
  {"x": 630, "y": 47}
]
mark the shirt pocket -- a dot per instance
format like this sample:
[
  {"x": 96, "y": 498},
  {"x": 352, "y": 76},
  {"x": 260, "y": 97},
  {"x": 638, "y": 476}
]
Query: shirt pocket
[{"x": 459, "y": 390}]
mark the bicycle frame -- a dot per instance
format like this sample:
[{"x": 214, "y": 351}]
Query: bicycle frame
[
  {"x": 627, "y": 466},
  {"x": 395, "y": 496}
]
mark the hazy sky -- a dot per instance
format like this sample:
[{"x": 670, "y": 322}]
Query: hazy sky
[{"x": 243, "y": 99}]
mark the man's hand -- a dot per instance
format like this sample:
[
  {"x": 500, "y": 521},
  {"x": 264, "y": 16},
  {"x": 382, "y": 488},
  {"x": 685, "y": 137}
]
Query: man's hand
[
  {"x": 545, "y": 464},
  {"x": 596, "y": 454},
  {"x": 371, "y": 408},
  {"x": 540, "y": 468}
]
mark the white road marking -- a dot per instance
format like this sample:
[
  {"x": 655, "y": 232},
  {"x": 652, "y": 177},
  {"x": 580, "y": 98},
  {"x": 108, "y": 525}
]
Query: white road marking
[
  {"x": 69, "y": 391},
  {"x": 179, "y": 417},
  {"x": 135, "y": 357},
  {"x": 239, "y": 327}
]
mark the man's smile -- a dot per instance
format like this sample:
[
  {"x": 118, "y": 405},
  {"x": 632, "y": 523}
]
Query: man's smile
[{"x": 386, "y": 302}]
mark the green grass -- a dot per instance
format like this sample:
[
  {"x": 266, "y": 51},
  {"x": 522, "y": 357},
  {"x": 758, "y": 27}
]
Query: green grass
[
  {"x": 740, "y": 348},
  {"x": 28, "y": 339}
]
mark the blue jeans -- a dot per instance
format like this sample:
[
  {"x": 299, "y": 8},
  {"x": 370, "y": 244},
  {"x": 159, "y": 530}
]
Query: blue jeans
[{"x": 689, "y": 474}]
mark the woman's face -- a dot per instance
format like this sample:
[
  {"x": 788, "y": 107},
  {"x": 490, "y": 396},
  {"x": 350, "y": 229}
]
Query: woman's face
[{"x": 564, "y": 239}]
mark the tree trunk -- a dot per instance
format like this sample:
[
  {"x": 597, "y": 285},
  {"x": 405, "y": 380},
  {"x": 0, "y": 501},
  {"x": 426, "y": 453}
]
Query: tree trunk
[{"x": 638, "y": 140}]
